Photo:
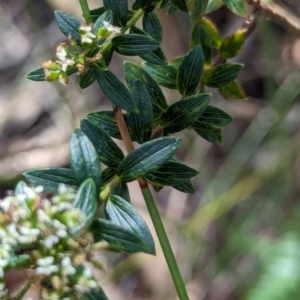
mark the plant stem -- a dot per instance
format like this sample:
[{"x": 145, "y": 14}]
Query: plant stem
[
  {"x": 86, "y": 11},
  {"x": 25, "y": 288},
  {"x": 165, "y": 244}
]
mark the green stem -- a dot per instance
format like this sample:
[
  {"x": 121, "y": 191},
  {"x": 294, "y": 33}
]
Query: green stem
[
  {"x": 165, "y": 244},
  {"x": 25, "y": 288},
  {"x": 86, "y": 11}
]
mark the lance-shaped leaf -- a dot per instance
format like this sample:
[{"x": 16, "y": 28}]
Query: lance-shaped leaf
[
  {"x": 213, "y": 136},
  {"x": 108, "y": 174},
  {"x": 96, "y": 294},
  {"x": 39, "y": 74},
  {"x": 134, "y": 44},
  {"x": 109, "y": 152},
  {"x": 119, "y": 238},
  {"x": 213, "y": 5},
  {"x": 233, "y": 90},
  {"x": 238, "y": 7},
  {"x": 147, "y": 158},
  {"x": 164, "y": 75},
  {"x": 152, "y": 26},
  {"x": 119, "y": 9},
  {"x": 106, "y": 16},
  {"x": 212, "y": 32},
  {"x": 140, "y": 123},
  {"x": 87, "y": 78},
  {"x": 181, "y": 4},
  {"x": 156, "y": 56},
  {"x": 184, "y": 113},
  {"x": 221, "y": 75},
  {"x": 68, "y": 24},
  {"x": 122, "y": 213},
  {"x": 162, "y": 4},
  {"x": 190, "y": 71},
  {"x": 115, "y": 90},
  {"x": 106, "y": 121},
  {"x": 185, "y": 186},
  {"x": 213, "y": 118},
  {"x": 51, "y": 178},
  {"x": 86, "y": 200},
  {"x": 132, "y": 73},
  {"x": 233, "y": 44},
  {"x": 146, "y": 5},
  {"x": 84, "y": 158},
  {"x": 196, "y": 9},
  {"x": 96, "y": 13},
  {"x": 171, "y": 173}
]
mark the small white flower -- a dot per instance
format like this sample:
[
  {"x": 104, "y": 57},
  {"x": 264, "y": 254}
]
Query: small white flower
[
  {"x": 45, "y": 261},
  {"x": 111, "y": 28},
  {"x": 67, "y": 266},
  {"x": 61, "y": 53},
  {"x": 61, "y": 233},
  {"x": 1, "y": 273},
  {"x": 50, "y": 241},
  {"x": 58, "y": 225},
  {"x": 86, "y": 40}
]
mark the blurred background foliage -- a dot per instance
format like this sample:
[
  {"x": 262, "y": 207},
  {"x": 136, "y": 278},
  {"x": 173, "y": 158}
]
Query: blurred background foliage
[{"x": 238, "y": 237}]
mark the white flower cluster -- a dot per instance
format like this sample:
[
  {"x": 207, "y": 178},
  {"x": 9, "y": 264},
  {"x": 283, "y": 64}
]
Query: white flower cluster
[
  {"x": 45, "y": 229},
  {"x": 87, "y": 37}
]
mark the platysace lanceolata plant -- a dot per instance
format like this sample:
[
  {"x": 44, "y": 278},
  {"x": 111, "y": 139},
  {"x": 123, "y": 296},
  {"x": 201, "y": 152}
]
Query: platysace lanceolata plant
[{"x": 90, "y": 208}]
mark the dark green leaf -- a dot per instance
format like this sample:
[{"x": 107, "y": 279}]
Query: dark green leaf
[
  {"x": 19, "y": 189},
  {"x": 213, "y": 5},
  {"x": 119, "y": 238},
  {"x": 106, "y": 121},
  {"x": 96, "y": 13},
  {"x": 109, "y": 152},
  {"x": 181, "y": 4},
  {"x": 147, "y": 158},
  {"x": 140, "y": 123},
  {"x": 107, "y": 56},
  {"x": 115, "y": 90},
  {"x": 121, "y": 213},
  {"x": 39, "y": 74},
  {"x": 185, "y": 186},
  {"x": 184, "y": 113},
  {"x": 119, "y": 9},
  {"x": 175, "y": 62},
  {"x": 233, "y": 44},
  {"x": 122, "y": 191},
  {"x": 233, "y": 90},
  {"x": 171, "y": 173},
  {"x": 163, "y": 3},
  {"x": 86, "y": 199},
  {"x": 106, "y": 16},
  {"x": 87, "y": 78},
  {"x": 96, "y": 294},
  {"x": 190, "y": 71},
  {"x": 69, "y": 25},
  {"x": 132, "y": 73},
  {"x": 238, "y": 7},
  {"x": 108, "y": 174},
  {"x": 84, "y": 158},
  {"x": 172, "y": 9},
  {"x": 214, "y": 136},
  {"x": 146, "y": 5},
  {"x": 134, "y": 44},
  {"x": 221, "y": 75},
  {"x": 196, "y": 9},
  {"x": 152, "y": 26},
  {"x": 164, "y": 75},
  {"x": 212, "y": 32},
  {"x": 51, "y": 178}
]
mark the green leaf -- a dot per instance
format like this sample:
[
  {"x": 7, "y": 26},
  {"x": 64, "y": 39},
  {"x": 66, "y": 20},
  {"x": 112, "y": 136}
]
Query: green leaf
[
  {"x": 134, "y": 44},
  {"x": 106, "y": 121},
  {"x": 213, "y": 118},
  {"x": 164, "y": 75},
  {"x": 171, "y": 173},
  {"x": 190, "y": 71},
  {"x": 87, "y": 78},
  {"x": 196, "y": 9},
  {"x": 86, "y": 199},
  {"x": 115, "y": 90},
  {"x": 146, "y": 5},
  {"x": 132, "y": 73},
  {"x": 122, "y": 191},
  {"x": 140, "y": 123},
  {"x": 51, "y": 178},
  {"x": 212, "y": 32},
  {"x": 109, "y": 152},
  {"x": 96, "y": 13},
  {"x": 147, "y": 158},
  {"x": 152, "y": 26},
  {"x": 84, "y": 158},
  {"x": 213, "y": 5},
  {"x": 106, "y": 16},
  {"x": 172, "y": 9},
  {"x": 221, "y": 75},
  {"x": 184, "y": 113},
  {"x": 175, "y": 62},
  {"x": 119, "y": 9},
  {"x": 96, "y": 294},
  {"x": 108, "y": 174},
  {"x": 119, "y": 238},
  {"x": 163, "y": 3},
  {"x": 233, "y": 44},
  {"x": 185, "y": 186},
  {"x": 214, "y": 136},
  {"x": 39, "y": 74},
  {"x": 122, "y": 213},
  {"x": 68, "y": 24},
  {"x": 181, "y": 4},
  {"x": 20, "y": 188},
  {"x": 233, "y": 90},
  {"x": 238, "y": 7}
]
